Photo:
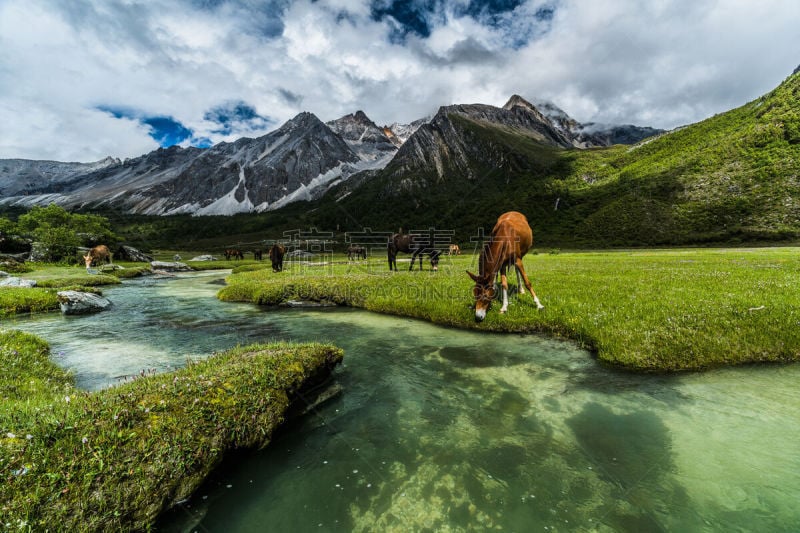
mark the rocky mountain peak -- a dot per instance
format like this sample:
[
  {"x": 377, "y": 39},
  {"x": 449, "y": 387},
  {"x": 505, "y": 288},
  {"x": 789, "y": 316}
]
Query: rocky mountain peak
[
  {"x": 796, "y": 70},
  {"x": 517, "y": 100},
  {"x": 371, "y": 143}
]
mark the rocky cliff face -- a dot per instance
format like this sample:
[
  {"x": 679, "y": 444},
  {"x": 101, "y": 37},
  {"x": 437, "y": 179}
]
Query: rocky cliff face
[
  {"x": 23, "y": 176},
  {"x": 442, "y": 145},
  {"x": 588, "y": 135},
  {"x": 372, "y": 144}
]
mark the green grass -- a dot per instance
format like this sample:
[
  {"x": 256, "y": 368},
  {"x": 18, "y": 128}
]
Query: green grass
[
  {"x": 49, "y": 280},
  {"x": 113, "y": 460},
  {"x": 14, "y": 300},
  {"x": 652, "y": 311}
]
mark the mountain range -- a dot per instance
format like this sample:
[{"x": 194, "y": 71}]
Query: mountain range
[
  {"x": 732, "y": 178},
  {"x": 300, "y": 161}
]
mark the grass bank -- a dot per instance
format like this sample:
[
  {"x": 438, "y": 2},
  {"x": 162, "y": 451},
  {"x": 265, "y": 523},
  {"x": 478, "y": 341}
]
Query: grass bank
[
  {"x": 49, "y": 280},
  {"x": 113, "y": 460},
  {"x": 654, "y": 310}
]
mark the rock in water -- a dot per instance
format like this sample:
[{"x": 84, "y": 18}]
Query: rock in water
[
  {"x": 79, "y": 303},
  {"x": 167, "y": 266}
]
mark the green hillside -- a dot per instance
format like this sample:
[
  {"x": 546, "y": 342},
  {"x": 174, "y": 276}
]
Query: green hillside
[{"x": 732, "y": 178}]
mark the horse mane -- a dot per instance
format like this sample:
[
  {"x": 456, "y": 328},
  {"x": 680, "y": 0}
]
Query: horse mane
[{"x": 492, "y": 257}]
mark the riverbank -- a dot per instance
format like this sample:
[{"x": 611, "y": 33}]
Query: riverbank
[
  {"x": 115, "y": 459},
  {"x": 644, "y": 310}
]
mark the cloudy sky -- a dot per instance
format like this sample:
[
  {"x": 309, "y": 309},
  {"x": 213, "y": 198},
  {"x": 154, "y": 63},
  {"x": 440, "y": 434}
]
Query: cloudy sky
[{"x": 83, "y": 79}]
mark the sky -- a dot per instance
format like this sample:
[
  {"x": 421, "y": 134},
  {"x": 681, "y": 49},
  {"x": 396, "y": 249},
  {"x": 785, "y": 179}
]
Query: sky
[{"x": 85, "y": 79}]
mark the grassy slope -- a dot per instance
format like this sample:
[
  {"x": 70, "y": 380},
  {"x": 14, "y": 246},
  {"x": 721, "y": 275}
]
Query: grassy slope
[
  {"x": 645, "y": 311},
  {"x": 112, "y": 460},
  {"x": 732, "y": 178}
]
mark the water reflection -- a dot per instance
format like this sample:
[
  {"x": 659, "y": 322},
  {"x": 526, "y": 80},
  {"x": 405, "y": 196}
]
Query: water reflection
[{"x": 440, "y": 429}]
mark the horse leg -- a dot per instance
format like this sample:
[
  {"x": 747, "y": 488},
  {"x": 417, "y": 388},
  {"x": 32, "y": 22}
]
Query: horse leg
[
  {"x": 520, "y": 288},
  {"x": 504, "y": 283},
  {"x": 521, "y": 270}
]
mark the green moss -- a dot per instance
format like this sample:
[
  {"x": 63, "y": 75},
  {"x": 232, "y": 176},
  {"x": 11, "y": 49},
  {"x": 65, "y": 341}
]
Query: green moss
[{"x": 114, "y": 459}]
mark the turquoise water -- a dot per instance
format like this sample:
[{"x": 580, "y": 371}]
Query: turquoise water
[{"x": 444, "y": 430}]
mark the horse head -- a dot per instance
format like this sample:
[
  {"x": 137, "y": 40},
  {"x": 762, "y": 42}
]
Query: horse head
[{"x": 484, "y": 292}]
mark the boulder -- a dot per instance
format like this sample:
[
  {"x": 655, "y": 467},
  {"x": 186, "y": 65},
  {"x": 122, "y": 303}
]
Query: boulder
[
  {"x": 129, "y": 253},
  {"x": 13, "y": 281},
  {"x": 204, "y": 258},
  {"x": 174, "y": 266},
  {"x": 39, "y": 252},
  {"x": 80, "y": 303}
]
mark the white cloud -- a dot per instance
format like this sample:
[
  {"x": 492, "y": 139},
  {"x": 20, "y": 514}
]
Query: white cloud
[{"x": 660, "y": 63}]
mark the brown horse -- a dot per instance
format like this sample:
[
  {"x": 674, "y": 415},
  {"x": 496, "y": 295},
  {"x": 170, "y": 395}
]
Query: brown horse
[
  {"x": 233, "y": 253},
  {"x": 510, "y": 241},
  {"x": 454, "y": 250},
  {"x": 415, "y": 244},
  {"x": 276, "y": 256},
  {"x": 97, "y": 254}
]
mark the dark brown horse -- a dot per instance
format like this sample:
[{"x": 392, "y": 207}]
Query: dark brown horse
[
  {"x": 355, "y": 252},
  {"x": 233, "y": 253},
  {"x": 276, "y": 256},
  {"x": 415, "y": 244},
  {"x": 510, "y": 241},
  {"x": 258, "y": 254}
]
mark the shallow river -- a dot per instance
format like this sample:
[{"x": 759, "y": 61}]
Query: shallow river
[{"x": 444, "y": 430}]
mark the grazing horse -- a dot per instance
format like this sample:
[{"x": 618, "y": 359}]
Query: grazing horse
[
  {"x": 356, "y": 252},
  {"x": 454, "y": 250},
  {"x": 97, "y": 254},
  {"x": 276, "y": 256},
  {"x": 510, "y": 241},
  {"x": 258, "y": 255},
  {"x": 415, "y": 244},
  {"x": 233, "y": 253}
]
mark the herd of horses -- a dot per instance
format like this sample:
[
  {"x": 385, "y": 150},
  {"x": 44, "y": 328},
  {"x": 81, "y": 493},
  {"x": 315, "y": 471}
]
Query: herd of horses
[{"x": 510, "y": 240}]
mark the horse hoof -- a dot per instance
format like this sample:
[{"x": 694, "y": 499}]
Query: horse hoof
[{"x": 540, "y": 307}]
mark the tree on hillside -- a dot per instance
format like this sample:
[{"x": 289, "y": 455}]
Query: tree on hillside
[{"x": 61, "y": 232}]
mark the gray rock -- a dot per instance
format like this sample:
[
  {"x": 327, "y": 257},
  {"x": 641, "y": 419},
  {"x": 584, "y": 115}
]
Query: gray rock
[
  {"x": 204, "y": 258},
  {"x": 130, "y": 253},
  {"x": 4, "y": 274},
  {"x": 80, "y": 303},
  {"x": 38, "y": 252},
  {"x": 167, "y": 266},
  {"x": 13, "y": 281}
]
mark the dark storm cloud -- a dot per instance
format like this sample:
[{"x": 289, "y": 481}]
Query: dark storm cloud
[{"x": 290, "y": 97}]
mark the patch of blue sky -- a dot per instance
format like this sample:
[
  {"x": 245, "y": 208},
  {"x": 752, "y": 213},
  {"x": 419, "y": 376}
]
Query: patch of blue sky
[
  {"x": 166, "y": 131},
  {"x": 236, "y": 116},
  {"x": 517, "y": 20}
]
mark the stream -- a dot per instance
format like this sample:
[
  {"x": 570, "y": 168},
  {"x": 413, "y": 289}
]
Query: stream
[{"x": 440, "y": 429}]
